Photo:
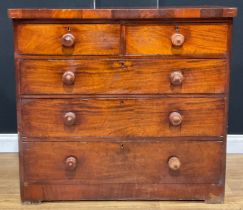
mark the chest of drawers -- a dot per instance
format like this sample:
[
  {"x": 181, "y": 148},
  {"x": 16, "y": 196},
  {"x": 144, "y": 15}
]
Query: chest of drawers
[{"x": 123, "y": 104}]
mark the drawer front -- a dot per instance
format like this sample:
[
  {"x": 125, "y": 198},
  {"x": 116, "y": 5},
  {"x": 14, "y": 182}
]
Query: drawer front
[
  {"x": 123, "y": 76},
  {"x": 147, "y": 117},
  {"x": 68, "y": 39},
  {"x": 199, "y": 39},
  {"x": 123, "y": 162}
]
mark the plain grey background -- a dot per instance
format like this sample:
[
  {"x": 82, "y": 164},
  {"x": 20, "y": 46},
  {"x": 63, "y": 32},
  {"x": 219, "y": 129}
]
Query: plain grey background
[{"x": 7, "y": 75}]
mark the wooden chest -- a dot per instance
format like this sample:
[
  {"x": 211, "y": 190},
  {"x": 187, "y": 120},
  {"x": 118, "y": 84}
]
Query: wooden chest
[{"x": 123, "y": 104}]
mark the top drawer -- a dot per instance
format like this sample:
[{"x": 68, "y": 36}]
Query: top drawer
[
  {"x": 68, "y": 39},
  {"x": 189, "y": 39}
]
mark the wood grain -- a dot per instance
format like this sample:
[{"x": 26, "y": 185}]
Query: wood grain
[
  {"x": 210, "y": 193},
  {"x": 90, "y": 39},
  {"x": 125, "y": 163},
  {"x": 164, "y": 12},
  {"x": 10, "y": 200},
  {"x": 123, "y": 168},
  {"x": 140, "y": 76},
  {"x": 100, "y": 113},
  {"x": 208, "y": 39},
  {"x": 123, "y": 117}
]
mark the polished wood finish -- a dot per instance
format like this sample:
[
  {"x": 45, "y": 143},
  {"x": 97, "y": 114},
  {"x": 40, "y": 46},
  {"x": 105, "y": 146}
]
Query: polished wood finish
[
  {"x": 68, "y": 78},
  {"x": 123, "y": 117},
  {"x": 174, "y": 163},
  {"x": 69, "y": 118},
  {"x": 70, "y": 163},
  {"x": 39, "y": 192},
  {"x": 139, "y": 76},
  {"x": 9, "y": 192},
  {"x": 175, "y": 118},
  {"x": 177, "y": 39},
  {"x": 47, "y": 39},
  {"x": 122, "y": 104},
  {"x": 156, "y": 39},
  {"x": 68, "y": 40},
  {"x": 166, "y": 12},
  {"x": 122, "y": 162},
  {"x": 176, "y": 78}
]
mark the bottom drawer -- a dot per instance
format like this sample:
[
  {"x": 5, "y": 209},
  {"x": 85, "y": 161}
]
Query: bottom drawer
[{"x": 137, "y": 162}]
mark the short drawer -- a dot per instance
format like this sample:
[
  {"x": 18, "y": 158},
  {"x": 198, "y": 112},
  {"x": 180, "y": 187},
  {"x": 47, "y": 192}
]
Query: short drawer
[
  {"x": 68, "y": 39},
  {"x": 123, "y": 162},
  {"x": 177, "y": 39},
  {"x": 123, "y": 117},
  {"x": 144, "y": 76}
]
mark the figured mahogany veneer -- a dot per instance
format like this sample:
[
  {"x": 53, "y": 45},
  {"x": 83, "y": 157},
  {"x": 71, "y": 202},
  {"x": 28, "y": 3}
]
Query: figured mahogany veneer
[
  {"x": 162, "y": 13},
  {"x": 104, "y": 39},
  {"x": 112, "y": 76},
  {"x": 49, "y": 39},
  {"x": 161, "y": 39},
  {"x": 123, "y": 162},
  {"x": 122, "y": 104},
  {"x": 145, "y": 117}
]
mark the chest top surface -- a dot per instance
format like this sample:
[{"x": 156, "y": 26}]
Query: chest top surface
[{"x": 160, "y": 13}]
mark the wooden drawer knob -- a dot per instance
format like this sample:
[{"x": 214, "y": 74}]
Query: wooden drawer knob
[
  {"x": 176, "y": 78},
  {"x": 69, "y": 118},
  {"x": 174, "y": 163},
  {"x": 175, "y": 118},
  {"x": 68, "y": 78},
  {"x": 68, "y": 40},
  {"x": 71, "y": 163},
  {"x": 177, "y": 39}
]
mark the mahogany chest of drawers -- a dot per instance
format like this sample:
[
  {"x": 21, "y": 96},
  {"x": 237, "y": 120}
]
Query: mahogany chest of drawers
[{"x": 122, "y": 104}]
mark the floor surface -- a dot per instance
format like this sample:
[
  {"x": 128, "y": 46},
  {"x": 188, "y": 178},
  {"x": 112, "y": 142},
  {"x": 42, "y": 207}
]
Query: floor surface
[{"x": 10, "y": 199}]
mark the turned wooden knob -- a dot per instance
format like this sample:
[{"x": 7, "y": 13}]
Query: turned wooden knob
[
  {"x": 68, "y": 78},
  {"x": 177, "y": 39},
  {"x": 71, "y": 163},
  {"x": 69, "y": 118},
  {"x": 175, "y": 118},
  {"x": 68, "y": 40},
  {"x": 174, "y": 163},
  {"x": 176, "y": 78}
]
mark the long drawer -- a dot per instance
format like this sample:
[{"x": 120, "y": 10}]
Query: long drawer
[
  {"x": 123, "y": 162},
  {"x": 123, "y": 117},
  {"x": 142, "y": 76},
  {"x": 104, "y": 39}
]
